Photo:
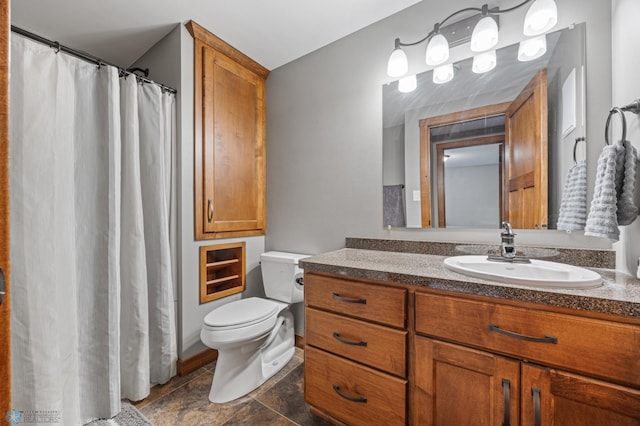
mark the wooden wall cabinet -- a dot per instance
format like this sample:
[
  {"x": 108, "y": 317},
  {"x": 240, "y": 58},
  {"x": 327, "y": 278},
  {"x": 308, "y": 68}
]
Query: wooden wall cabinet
[{"x": 230, "y": 122}]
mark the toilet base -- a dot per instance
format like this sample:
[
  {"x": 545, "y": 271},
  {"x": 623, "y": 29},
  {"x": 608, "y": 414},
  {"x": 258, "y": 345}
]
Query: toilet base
[{"x": 240, "y": 370}]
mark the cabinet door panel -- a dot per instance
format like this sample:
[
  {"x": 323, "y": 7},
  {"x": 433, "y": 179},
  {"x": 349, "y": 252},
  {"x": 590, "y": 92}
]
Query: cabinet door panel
[
  {"x": 461, "y": 386},
  {"x": 231, "y": 146},
  {"x": 551, "y": 397}
]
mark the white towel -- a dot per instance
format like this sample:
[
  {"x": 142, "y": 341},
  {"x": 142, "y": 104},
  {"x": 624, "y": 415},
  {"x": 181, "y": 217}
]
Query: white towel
[
  {"x": 602, "y": 220},
  {"x": 573, "y": 206}
]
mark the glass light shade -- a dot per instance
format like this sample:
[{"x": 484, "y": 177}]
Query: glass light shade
[
  {"x": 437, "y": 50},
  {"x": 485, "y": 35},
  {"x": 407, "y": 84},
  {"x": 398, "y": 64},
  {"x": 541, "y": 17},
  {"x": 532, "y": 48},
  {"x": 443, "y": 74},
  {"x": 484, "y": 62}
]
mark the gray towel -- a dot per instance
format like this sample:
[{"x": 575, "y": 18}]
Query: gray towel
[
  {"x": 393, "y": 203},
  {"x": 602, "y": 220},
  {"x": 573, "y": 206},
  {"x": 625, "y": 185}
]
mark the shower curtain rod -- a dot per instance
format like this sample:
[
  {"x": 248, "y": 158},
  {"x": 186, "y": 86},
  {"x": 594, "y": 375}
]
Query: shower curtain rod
[{"x": 85, "y": 56}]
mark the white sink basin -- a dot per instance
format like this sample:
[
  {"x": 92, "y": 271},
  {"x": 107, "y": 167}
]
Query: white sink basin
[{"x": 539, "y": 273}]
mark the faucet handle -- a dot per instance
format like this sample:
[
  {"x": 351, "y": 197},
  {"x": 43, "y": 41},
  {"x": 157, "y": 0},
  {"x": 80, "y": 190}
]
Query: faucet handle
[{"x": 507, "y": 230}]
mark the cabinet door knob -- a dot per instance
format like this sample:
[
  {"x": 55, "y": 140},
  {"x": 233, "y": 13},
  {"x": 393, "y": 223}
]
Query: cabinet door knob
[{"x": 210, "y": 210}]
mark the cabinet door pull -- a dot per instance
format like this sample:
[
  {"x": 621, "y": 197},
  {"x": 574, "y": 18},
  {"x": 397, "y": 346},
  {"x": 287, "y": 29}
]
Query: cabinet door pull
[
  {"x": 545, "y": 339},
  {"x": 209, "y": 210},
  {"x": 536, "y": 406},
  {"x": 2, "y": 286},
  {"x": 349, "y": 342},
  {"x": 348, "y": 300},
  {"x": 506, "y": 393},
  {"x": 347, "y": 397}
]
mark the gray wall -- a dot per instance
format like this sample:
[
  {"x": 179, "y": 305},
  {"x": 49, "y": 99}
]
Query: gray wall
[
  {"x": 626, "y": 88},
  {"x": 324, "y": 129},
  {"x": 472, "y": 190}
]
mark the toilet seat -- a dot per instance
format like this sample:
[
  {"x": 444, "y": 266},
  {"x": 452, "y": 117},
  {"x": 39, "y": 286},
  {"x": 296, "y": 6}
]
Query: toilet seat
[{"x": 241, "y": 313}]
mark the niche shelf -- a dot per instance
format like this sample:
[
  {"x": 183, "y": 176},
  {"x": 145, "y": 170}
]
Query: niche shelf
[{"x": 222, "y": 271}]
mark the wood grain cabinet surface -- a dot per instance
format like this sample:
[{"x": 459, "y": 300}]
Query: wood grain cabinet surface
[
  {"x": 511, "y": 365},
  {"x": 355, "y": 351},
  {"x": 379, "y": 352},
  {"x": 230, "y": 125}
]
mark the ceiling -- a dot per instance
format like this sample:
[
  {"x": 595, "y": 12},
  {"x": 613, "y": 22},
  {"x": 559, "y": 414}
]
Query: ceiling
[{"x": 272, "y": 32}]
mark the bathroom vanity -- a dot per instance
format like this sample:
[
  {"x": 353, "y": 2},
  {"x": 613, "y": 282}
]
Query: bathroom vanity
[{"x": 396, "y": 338}]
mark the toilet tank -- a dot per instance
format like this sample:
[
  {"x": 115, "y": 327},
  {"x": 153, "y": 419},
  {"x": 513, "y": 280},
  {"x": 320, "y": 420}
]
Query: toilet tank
[{"x": 279, "y": 273}]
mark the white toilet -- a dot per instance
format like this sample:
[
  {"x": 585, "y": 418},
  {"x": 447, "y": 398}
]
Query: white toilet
[{"x": 255, "y": 337}]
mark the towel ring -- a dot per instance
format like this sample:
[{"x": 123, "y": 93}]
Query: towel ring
[{"x": 620, "y": 112}]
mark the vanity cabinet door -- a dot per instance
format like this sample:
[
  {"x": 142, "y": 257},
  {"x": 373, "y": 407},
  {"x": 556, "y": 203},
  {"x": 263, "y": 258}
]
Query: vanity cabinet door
[
  {"x": 551, "y": 397},
  {"x": 455, "y": 385}
]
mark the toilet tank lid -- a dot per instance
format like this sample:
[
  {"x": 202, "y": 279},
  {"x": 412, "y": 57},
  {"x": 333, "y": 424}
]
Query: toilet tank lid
[{"x": 280, "y": 256}]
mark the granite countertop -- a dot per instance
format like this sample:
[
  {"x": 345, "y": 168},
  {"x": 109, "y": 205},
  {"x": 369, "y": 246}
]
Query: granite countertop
[{"x": 619, "y": 294}]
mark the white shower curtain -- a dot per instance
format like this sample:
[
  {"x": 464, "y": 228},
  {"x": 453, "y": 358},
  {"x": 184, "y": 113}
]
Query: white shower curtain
[{"x": 92, "y": 298}]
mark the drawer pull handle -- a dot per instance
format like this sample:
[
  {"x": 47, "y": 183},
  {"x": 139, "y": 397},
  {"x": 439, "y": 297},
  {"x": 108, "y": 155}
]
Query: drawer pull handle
[
  {"x": 545, "y": 339},
  {"x": 348, "y": 300},
  {"x": 347, "y": 397},
  {"x": 537, "y": 421},
  {"x": 506, "y": 390},
  {"x": 349, "y": 342}
]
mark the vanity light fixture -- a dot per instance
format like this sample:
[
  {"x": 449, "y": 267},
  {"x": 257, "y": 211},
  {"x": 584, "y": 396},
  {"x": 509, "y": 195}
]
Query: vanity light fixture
[
  {"x": 540, "y": 18},
  {"x": 532, "y": 48},
  {"x": 485, "y": 33},
  {"x": 443, "y": 74},
  {"x": 484, "y": 62},
  {"x": 437, "y": 48},
  {"x": 407, "y": 84}
]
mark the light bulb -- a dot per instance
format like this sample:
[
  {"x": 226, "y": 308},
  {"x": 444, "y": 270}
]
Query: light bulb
[
  {"x": 532, "y": 48},
  {"x": 541, "y": 17},
  {"x": 437, "y": 50},
  {"x": 443, "y": 74},
  {"x": 485, "y": 35},
  {"x": 398, "y": 64},
  {"x": 407, "y": 84},
  {"x": 484, "y": 62}
]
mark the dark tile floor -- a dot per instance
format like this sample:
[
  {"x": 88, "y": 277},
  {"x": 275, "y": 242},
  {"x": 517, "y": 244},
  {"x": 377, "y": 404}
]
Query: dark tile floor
[{"x": 185, "y": 401}]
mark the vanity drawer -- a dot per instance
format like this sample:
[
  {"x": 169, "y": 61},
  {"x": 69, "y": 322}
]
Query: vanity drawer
[
  {"x": 603, "y": 348},
  {"x": 385, "y": 305},
  {"x": 352, "y": 393},
  {"x": 377, "y": 346}
]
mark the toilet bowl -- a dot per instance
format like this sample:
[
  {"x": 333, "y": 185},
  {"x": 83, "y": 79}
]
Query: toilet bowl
[{"x": 255, "y": 336}]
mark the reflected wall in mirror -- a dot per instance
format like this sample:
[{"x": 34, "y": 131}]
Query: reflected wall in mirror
[{"x": 478, "y": 114}]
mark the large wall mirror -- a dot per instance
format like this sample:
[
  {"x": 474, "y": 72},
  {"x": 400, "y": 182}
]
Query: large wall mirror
[{"x": 484, "y": 148}]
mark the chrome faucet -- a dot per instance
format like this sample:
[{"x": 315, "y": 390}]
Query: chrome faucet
[{"x": 507, "y": 247}]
